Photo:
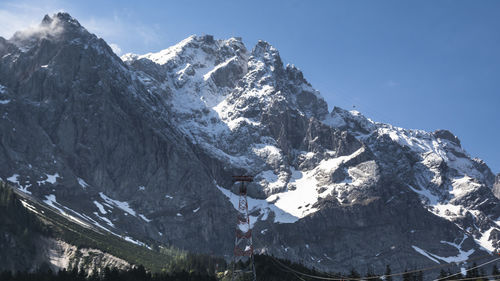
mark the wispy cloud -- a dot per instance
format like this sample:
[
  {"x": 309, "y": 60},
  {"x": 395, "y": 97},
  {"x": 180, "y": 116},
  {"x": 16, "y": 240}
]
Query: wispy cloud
[
  {"x": 119, "y": 28},
  {"x": 15, "y": 16}
]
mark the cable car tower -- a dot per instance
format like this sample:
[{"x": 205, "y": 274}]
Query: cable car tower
[{"x": 243, "y": 247}]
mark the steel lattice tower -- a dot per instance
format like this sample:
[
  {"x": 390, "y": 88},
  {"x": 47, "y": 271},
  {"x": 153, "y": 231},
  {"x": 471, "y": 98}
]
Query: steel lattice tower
[{"x": 243, "y": 247}]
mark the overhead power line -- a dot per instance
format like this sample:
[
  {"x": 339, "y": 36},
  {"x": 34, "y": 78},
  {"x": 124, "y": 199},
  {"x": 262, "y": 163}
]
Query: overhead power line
[
  {"x": 474, "y": 278},
  {"x": 483, "y": 264},
  {"x": 380, "y": 276}
]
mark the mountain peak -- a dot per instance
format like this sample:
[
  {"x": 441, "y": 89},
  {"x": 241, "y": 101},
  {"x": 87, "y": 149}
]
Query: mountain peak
[
  {"x": 263, "y": 45},
  {"x": 266, "y": 50},
  {"x": 60, "y": 26},
  {"x": 294, "y": 73},
  {"x": 445, "y": 134},
  {"x": 47, "y": 20},
  {"x": 60, "y": 18}
]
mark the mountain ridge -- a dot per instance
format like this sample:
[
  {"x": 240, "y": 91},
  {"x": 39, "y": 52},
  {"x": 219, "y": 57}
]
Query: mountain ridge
[{"x": 161, "y": 134}]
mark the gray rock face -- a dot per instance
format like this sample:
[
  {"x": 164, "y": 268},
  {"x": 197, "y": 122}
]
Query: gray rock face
[
  {"x": 59, "y": 255},
  {"x": 78, "y": 126},
  {"x": 496, "y": 186},
  {"x": 145, "y": 147}
]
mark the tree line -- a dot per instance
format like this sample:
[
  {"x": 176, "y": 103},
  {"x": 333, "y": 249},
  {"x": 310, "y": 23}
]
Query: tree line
[
  {"x": 269, "y": 270},
  {"x": 135, "y": 274}
]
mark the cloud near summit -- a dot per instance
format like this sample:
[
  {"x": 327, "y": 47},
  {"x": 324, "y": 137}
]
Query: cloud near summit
[{"x": 27, "y": 16}]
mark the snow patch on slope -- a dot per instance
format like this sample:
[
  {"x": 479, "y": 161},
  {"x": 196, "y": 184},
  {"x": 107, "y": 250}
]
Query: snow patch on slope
[
  {"x": 51, "y": 201},
  {"x": 302, "y": 192},
  {"x": 104, "y": 219},
  {"x": 462, "y": 255},
  {"x": 424, "y": 253},
  {"x": 144, "y": 218},
  {"x": 100, "y": 207},
  {"x": 425, "y": 193},
  {"x": 15, "y": 179},
  {"x": 485, "y": 241},
  {"x": 261, "y": 205},
  {"x": 52, "y": 179},
  {"x": 29, "y": 207},
  {"x": 122, "y": 205},
  {"x": 164, "y": 56},
  {"x": 137, "y": 242},
  {"x": 82, "y": 183}
]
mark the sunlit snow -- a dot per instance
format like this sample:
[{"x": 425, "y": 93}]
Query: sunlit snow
[
  {"x": 15, "y": 179},
  {"x": 82, "y": 183},
  {"x": 104, "y": 219},
  {"x": 432, "y": 199},
  {"x": 29, "y": 207},
  {"x": 460, "y": 257},
  {"x": 424, "y": 253},
  {"x": 137, "y": 242},
  {"x": 485, "y": 241},
  {"x": 144, "y": 218},
  {"x": 100, "y": 207},
  {"x": 122, "y": 205},
  {"x": 52, "y": 179}
]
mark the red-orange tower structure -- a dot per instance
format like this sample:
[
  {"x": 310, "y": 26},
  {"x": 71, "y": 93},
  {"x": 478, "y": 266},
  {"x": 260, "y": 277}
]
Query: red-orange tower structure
[{"x": 243, "y": 246}]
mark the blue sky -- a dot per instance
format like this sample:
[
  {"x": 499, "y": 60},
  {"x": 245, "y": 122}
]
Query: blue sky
[{"x": 421, "y": 64}]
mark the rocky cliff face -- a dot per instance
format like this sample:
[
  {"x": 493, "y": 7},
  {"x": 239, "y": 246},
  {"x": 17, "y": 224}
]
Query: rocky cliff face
[
  {"x": 61, "y": 255},
  {"x": 57, "y": 255},
  {"x": 76, "y": 123},
  {"x": 145, "y": 146},
  {"x": 496, "y": 186}
]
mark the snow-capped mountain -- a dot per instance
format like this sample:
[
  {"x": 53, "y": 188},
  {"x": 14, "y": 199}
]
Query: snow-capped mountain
[{"x": 145, "y": 146}]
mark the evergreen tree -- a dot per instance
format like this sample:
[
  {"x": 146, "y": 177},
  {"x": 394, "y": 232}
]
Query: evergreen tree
[
  {"x": 495, "y": 271},
  {"x": 354, "y": 274},
  {"x": 407, "y": 276},
  {"x": 419, "y": 276},
  {"x": 482, "y": 273},
  {"x": 371, "y": 276},
  {"x": 388, "y": 273},
  {"x": 449, "y": 274},
  {"x": 442, "y": 274},
  {"x": 472, "y": 271},
  {"x": 6, "y": 275}
]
